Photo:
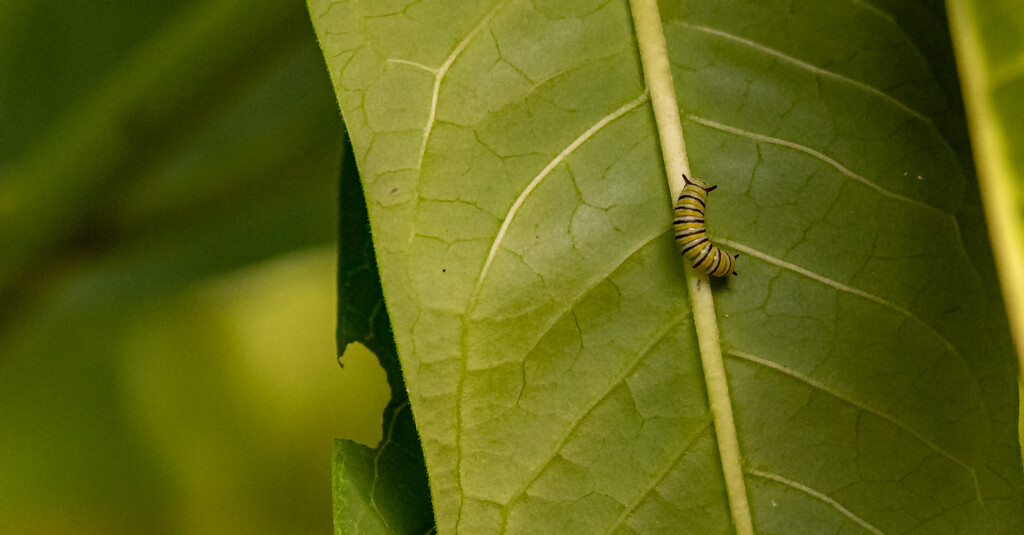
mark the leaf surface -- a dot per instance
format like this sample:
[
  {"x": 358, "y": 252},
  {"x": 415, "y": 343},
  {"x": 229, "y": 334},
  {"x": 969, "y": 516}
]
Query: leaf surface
[{"x": 522, "y": 226}]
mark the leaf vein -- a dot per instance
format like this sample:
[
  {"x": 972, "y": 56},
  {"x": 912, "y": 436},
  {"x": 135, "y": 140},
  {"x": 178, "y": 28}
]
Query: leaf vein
[
  {"x": 864, "y": 407},
  {"x": 440, "y": 72},
  {"x": 817, "y": 495},
  {"x": 844, "y": 288},
  {"x": 871, "y": 297},
  {"x": 809, "y": 67},
  {"x": 577, "y": 299},
  {"x": 818, "y": 155},
  {"x": 650, "y": 33},
  {"x": 868, "y": 6},
  {"x": 376, "y": 462},
  {"x": 578, "y": 418},
  {"x": 558, "y": 159},
  {"x": 659, "y": 477}
]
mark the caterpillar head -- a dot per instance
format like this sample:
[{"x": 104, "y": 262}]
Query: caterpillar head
[{"x": 697, "y": 182}]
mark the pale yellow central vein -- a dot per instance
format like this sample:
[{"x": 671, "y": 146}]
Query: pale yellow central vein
[{"x": 657, "y": 69}]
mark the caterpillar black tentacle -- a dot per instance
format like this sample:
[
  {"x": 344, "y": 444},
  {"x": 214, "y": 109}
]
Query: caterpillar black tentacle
[{"x": 691, "y": 233}]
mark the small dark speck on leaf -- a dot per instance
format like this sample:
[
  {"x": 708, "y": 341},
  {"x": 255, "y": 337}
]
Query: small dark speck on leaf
[
  {"x": 443, "y": 270},
  {"x": 394, "y": 191}
]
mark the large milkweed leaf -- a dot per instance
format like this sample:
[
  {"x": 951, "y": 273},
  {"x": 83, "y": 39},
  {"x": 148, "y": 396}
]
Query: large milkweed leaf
[
  {"x": 991, "y": 54},
  {"x": 382, "y": 489},
  {"x": 521, "y": 223}
]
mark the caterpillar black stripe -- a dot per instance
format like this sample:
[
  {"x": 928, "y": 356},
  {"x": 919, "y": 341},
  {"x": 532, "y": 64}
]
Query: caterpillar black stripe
[{"x": 691, "y": 234}]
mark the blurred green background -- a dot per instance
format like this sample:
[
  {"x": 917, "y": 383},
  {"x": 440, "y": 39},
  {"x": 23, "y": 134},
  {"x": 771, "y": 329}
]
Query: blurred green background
[{"x": 168, "y": 221}]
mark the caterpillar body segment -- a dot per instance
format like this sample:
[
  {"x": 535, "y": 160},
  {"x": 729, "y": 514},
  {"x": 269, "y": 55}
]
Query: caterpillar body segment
[{"x": 691, "y": 233}]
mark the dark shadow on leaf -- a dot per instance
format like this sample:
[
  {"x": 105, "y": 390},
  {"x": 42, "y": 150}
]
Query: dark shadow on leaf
[{"x": 382, "y": 490}]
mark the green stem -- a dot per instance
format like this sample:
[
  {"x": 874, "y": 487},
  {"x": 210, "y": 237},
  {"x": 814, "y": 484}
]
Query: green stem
[
  {"x": 992, "y": 152},
  {"x": 995, "y": 176},
  {"x": 658, "y": 75}
]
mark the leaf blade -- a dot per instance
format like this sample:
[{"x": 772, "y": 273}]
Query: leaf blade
[{"x": 531, "y": 399}]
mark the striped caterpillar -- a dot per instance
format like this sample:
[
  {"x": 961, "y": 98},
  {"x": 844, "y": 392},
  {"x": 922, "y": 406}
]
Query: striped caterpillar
[{"x": 691, "y": 236}]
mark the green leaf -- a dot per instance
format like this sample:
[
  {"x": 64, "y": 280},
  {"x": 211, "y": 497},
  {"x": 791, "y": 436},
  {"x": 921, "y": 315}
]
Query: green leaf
[
  {"x": 991, "y": 56},
  {"x": 381, "y": 490},
  {"x": 522, "y": 224}
]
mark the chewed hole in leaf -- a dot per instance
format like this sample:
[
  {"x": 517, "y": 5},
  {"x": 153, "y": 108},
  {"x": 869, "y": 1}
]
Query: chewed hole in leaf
[{"x": 363, "y": 377}]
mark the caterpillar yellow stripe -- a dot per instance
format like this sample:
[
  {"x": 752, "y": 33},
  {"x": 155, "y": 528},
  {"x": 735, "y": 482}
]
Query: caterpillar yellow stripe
[{"x": 691, "y": 234}]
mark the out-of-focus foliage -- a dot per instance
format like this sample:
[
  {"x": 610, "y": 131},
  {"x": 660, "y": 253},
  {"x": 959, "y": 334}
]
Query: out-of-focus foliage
[
  {"x": 246, "y": 440},
  {"x": 148, "y": 152}
]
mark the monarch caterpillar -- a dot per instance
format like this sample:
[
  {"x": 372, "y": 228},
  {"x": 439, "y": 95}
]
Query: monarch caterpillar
[{"x": 707, "y": 257}]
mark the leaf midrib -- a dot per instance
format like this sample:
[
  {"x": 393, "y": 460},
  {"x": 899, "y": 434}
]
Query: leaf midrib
[{"x": 658, "y": 76}]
